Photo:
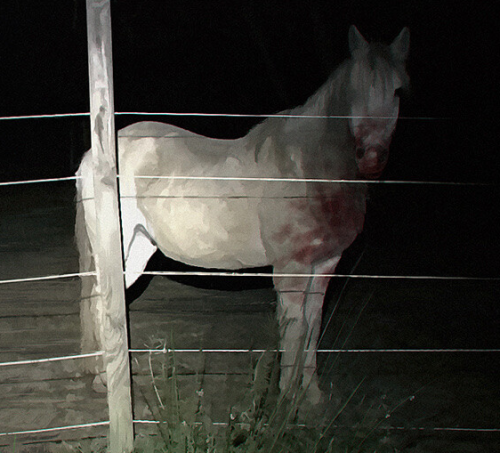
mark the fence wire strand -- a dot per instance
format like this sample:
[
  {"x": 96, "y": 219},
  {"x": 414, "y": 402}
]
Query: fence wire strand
[
  {"x": 225, "y": 424},
  {"x": 256, "y": 275},
  {"x": 38, "y": 181},
  {"x": 58, "y": 428},
  {"x": 319, "y": 351},
  {"x": 52, "y": 359},
  {"x": 43, "y": 116},
  {"x": 47, "y": 277},
  {"x": 247, "y": 351},
  {"x": 281, "y": 115},
  {"x": 305, "y": 275},
  {"x": 269, "y": 179},
  {"x": 315, "y": 180},
  {"x": 222, "y": 115}
]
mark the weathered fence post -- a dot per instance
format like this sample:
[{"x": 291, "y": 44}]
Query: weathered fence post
[{"x": 108, "y": 256}]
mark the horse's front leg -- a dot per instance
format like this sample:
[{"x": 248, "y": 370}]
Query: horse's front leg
[{"x": 300, "y": 303}]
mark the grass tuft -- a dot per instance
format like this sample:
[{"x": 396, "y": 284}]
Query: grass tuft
[{"x": 264, "y": 422}]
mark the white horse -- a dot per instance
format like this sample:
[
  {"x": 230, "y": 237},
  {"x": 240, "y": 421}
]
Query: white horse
[{"x": 299, "y": 227}]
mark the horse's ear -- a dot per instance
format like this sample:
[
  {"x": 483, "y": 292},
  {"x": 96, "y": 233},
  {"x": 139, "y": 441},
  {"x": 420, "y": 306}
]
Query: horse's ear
[
  {"x": 356, "y": 40},
  {"x": 401, "y": 45}
]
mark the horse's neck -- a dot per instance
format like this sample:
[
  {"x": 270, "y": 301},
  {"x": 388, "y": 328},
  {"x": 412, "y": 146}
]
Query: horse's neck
[
  {"x": 310, "y": 143},
  {"x": 324, "y": 126}
]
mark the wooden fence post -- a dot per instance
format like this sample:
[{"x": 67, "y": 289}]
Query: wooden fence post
[{"x": 108, "y": 256}]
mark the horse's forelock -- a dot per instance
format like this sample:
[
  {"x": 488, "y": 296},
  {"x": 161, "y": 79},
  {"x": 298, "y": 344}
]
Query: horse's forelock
[
  {"x": 379, "y": 65},
  {"x": 374, "y": 79}
]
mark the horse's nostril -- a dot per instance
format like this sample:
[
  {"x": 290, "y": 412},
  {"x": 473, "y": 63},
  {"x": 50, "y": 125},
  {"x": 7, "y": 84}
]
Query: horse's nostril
[{"x": 360, "y": 152}]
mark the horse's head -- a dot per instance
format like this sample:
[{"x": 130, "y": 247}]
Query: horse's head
[{"x": 377, "y": 72}]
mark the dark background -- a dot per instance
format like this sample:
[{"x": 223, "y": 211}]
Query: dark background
[{"x": 248, "y": 56}]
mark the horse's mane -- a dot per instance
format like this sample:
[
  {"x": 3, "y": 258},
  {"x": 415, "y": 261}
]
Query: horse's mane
[{"x": 328, "y": 100}]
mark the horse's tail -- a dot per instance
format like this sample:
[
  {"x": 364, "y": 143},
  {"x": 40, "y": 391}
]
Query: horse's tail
[
  {"x": 81, "y": 235},
  {"x": 85, "y": 229}
]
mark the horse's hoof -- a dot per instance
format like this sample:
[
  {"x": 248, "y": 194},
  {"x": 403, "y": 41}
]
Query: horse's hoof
[
  {"x": 314, "y": 396},
  {"x": 99, "y": 384}
]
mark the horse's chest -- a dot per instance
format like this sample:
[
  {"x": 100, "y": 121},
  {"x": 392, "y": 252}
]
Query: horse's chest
[{"x": 319, "y": 226}]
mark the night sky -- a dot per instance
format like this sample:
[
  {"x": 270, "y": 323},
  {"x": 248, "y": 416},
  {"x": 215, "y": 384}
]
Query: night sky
[{"x": 249, "y": 57}]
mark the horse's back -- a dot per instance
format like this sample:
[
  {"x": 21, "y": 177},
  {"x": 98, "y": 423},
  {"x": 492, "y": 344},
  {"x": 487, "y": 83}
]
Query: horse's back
[
  {"x": 150, "y": 129},
  {"x": 159, "y": 149},
  {"x": 204, "y": 222}
]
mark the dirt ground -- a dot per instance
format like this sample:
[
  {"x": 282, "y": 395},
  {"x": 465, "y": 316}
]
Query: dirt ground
[{"x": 424, "y": 401}]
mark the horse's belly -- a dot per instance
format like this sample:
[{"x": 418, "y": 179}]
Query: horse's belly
[{"x": 212, "y": 233}]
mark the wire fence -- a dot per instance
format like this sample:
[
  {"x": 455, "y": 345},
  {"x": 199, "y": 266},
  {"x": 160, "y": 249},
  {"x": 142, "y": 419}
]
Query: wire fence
[
  {"x": 255, "y": 179},
  {"x": 225, "y": 424},
  {"x": 244, "y": 274},
  {"x": 219, "y": 115}
]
